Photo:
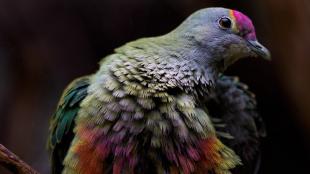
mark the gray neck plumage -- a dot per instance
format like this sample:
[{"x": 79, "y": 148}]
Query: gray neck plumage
[{"x": 174, "y": 60}]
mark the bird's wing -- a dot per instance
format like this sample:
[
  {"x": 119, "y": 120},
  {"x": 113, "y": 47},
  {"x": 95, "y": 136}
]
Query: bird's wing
[
  {"x": 241, "y": 126},
  {"x": 62, "y": 122}
]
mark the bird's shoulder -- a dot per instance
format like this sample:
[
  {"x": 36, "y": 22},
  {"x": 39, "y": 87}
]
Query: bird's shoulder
[
  {"x": 236, "y": 107},
  {"x": 62, "y": 122},
  {"x": 240, "y": 103}
]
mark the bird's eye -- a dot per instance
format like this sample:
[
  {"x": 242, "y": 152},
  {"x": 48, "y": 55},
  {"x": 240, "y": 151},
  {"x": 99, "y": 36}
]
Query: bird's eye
[{"x": 225, "y": 23}]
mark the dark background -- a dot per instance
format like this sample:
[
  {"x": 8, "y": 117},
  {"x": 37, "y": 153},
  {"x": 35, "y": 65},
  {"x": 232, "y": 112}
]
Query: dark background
[{"x": 46, "y": 44}]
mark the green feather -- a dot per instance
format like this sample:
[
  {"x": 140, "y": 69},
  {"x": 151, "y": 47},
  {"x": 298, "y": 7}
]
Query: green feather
[{"x": 62, "y": 123}]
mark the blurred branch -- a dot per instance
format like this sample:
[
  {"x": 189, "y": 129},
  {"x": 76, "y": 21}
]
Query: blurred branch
[{"x": 13, "y": 163}]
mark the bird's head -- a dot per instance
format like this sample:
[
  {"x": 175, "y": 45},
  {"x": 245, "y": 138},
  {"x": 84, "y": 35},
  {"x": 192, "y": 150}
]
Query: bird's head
[{"x": 222, "y": 35}]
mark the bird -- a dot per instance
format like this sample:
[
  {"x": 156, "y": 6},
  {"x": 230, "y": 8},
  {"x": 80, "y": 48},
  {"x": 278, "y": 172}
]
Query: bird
[{"x": 162, "y": 105}]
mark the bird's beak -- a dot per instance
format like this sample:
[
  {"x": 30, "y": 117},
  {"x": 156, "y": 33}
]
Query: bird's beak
[{"x": 259, "y": 49}]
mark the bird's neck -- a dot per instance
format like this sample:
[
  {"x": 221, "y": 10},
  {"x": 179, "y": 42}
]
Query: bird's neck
[{"x": 173, "y": 59}]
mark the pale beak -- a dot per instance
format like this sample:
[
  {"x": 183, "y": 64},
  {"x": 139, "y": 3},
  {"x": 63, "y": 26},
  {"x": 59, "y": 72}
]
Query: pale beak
[{"x": 259, "y": 49}]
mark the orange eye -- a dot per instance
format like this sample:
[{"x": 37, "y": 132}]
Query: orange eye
[{"x": 225, "y": 23}]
